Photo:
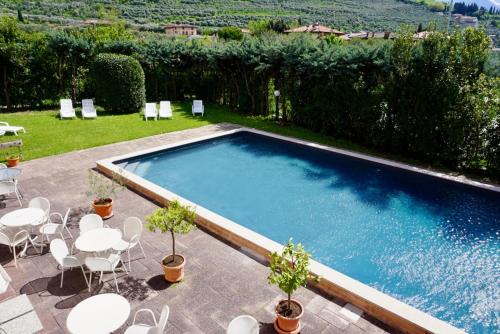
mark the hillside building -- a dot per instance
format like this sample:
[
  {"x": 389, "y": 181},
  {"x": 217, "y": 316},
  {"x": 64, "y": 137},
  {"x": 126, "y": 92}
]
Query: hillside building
[{"x": 181, "y": 29}]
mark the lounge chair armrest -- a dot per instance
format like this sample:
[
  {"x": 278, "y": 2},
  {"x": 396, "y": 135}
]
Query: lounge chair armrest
[
  {"x": 4, "y": 123},
  {"x": 147, "y": 311}
]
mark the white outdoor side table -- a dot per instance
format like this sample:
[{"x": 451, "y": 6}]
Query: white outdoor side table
[
  {"x": 9, "y": 173},
  {"x": 98, "y": 240},
  {"x": 98, "y": 314}
]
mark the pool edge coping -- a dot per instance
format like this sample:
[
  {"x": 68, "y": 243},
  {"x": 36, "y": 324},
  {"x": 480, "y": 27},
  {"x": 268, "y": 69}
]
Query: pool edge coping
[{"x": 382, "y": 306}]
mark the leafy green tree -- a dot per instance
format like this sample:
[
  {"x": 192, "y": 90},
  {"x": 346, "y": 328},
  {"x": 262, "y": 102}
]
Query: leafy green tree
[
  {"x": 72, "y": 52},
  {"x": 175, "y": 218},
  {"x": 278, "y": 26},
  {"x": 290, "y": 269},
  {"x": 12, "y": 55},
  {"x": 258, "y": 27},
  {"x": 20, "y": 15},
  {"x": 230, "y": 33}
]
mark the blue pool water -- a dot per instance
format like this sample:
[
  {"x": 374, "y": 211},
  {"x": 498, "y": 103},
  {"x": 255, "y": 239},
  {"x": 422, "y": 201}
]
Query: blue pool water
[{"x": 431, "y": 243}]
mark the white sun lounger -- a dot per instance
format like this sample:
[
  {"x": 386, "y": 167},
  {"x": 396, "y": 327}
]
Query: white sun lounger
[
  {"x": 150, "y": 111},
  {"x": 5, "y": 127},
  {"x": 198, "y": 107},
  {"x": 88, "y": 109},
  {"x": 67, "y": 110},
  {"x": 165, "y": 110}
]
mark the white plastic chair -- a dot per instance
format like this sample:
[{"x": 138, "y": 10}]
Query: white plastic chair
[
  {"x": 150, "y": 111},
  {"x": 90, "y": 222},
  {"x": 13, "y": 237},
  {"x": 67, "y": 110},
  {"x": 243, "y": 324},
  {"x": 88, "y": 109},
  {"x": 64, "y": 259},
  {"x": 5, "y": 127},
  {"x": 165, "y": 110},
  {"x": 158, "y": 328},
  {"x": 4, "y": 280},
  {"x": 101, "y": 264},
  {"x": 51, "y": 228},
  {"x": 41, "y": 203},
  {"x": 10, "y": 187},
  {"x": 131, "y": 235},
  {"x": 198, "y": 107}
]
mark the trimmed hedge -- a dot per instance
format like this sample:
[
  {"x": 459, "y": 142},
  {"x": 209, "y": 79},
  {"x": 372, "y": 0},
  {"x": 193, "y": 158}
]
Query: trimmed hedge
[{"x": 119, "y": 83}]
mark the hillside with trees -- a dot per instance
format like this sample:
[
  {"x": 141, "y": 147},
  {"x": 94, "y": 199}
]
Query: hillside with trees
[{"x": 347, "y": 15}]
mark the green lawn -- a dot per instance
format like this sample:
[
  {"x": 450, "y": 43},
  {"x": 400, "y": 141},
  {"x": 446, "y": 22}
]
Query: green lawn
[{"x": 47, "y": 135}]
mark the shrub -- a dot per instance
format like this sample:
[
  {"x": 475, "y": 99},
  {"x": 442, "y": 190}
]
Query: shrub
[
  {"x": 230, "y": 33},
  {"x": 119, "y": 83}
]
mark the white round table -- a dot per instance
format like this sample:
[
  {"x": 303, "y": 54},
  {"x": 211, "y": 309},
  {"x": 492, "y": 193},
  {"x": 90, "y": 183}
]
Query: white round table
[
  {"x": 98, "y": 314},
  {"x": 98, "y": 240},
  {"x": 23, "y": 217},
  {"x": 9, "y": 173}
]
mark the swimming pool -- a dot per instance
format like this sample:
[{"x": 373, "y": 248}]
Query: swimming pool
[{"x": 431, "y": 243}]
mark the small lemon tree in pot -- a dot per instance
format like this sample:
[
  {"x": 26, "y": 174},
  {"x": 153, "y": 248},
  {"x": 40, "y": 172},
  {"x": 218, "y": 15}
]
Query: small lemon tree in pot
[
  {"x": 175, "y": 218},
  {"x": 289, "y": 271}
]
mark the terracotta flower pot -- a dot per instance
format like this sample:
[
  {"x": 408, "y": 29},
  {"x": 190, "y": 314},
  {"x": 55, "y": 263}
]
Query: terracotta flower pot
[
  {"x": 174, "y": 271},
  {"x": 105, "y": 210},
  {"x": 13, "y": 161},
  {"x": 287, "y": 325}
]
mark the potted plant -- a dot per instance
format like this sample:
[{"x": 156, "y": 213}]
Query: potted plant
[
  {"x": 101, "y": 189},
  {"x": 175, "y": 218},
  {"x": 289, "y": 271},
  {"x": 13, "y": 158}
]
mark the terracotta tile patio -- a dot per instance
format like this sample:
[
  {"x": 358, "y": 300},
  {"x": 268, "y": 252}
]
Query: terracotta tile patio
[{"x": 221, "y": 281}]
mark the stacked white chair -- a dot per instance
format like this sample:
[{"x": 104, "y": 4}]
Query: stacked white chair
[
  {"x": 51, "y": 228},
  {"x": 165, "y": 110},
  {"x": 102, "y": 264},
  {"x": 13, "y": 237},
  {"x": 198, "y": 107},
  {"x": 90, "y": 222},
  {"x": 64, "y": 259},
  {"x": 41, "y": 203},
  {"x": 131, "y": 237},
  {"x": 150, "y": 111},
  {"x": 67, "y": 110},
  {"x": 10, "y": 187},
  {"x": 159, "y": 326},
  {"x": 88, "y": 109}
]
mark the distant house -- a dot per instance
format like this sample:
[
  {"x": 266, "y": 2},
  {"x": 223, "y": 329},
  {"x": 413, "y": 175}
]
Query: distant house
[
  {"x": 316, "y": 29},
  {"x": 181, "y": 29},
  {"x": 467, "y": 21},
  {"x": 366, "y": 35},
  {"x": 422, "y": 34}
]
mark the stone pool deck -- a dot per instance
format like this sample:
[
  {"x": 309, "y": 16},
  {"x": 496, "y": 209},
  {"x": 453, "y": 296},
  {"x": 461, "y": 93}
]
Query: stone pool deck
[{"x": 221, "y": 281}]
